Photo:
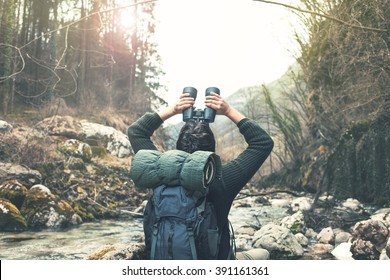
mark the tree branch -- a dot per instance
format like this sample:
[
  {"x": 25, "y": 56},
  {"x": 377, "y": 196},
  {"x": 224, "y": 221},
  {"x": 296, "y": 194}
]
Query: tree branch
[
  {"x": 325, "y": 16},
  {"x": 2, "y": 79}
]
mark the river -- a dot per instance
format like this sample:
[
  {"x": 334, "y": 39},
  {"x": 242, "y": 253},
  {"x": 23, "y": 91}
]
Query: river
[{"x": 80, "y": 241}]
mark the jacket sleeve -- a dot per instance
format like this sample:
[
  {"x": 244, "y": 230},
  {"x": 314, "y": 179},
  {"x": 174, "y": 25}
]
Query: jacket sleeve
[
  {"x": 239, "y": 171},
  {"x": 141, "y": 131}
]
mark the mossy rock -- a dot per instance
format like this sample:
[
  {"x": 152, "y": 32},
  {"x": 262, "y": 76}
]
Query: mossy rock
[
  {"x": 134, "y": 251},
  {"x": 10, "y": 217},
  {"x": 99, "y": 151},
  {"x": 75, "y": 148},
  {"x": 42, "y": 209},
  {"x": 14, "y": 192}
]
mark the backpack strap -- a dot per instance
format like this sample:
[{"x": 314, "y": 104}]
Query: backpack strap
[
  {"x": 232, "y": 251},
  {"x": 192, "y": 242},
  {"x": 154, "y": 242}
]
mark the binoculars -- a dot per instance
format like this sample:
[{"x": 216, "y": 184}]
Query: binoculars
[{"x": 205, "y": 115}]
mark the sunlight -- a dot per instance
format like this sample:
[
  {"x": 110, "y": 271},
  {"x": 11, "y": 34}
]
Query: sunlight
[{"x": 126, "y": 19}]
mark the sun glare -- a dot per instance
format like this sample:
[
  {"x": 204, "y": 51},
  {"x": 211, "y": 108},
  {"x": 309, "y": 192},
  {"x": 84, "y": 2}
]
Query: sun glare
[{"x": 126, "y": 19}]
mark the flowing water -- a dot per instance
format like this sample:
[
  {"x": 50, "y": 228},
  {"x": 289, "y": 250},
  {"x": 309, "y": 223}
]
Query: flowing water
[{"x": 79, "y": 242}]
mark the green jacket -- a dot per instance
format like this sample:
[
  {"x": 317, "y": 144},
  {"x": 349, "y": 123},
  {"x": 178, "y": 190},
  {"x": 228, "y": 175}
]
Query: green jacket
[{"x": 196, "y": 171}]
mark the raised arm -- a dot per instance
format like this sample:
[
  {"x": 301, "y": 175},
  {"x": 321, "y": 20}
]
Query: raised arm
[
  {"x": 239, "y": 171},
  {"x": 141, "y": 131}
]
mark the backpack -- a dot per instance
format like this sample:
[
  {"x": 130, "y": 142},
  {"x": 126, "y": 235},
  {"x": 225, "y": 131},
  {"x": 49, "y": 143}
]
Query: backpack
[{"x": 180, "y": 224}]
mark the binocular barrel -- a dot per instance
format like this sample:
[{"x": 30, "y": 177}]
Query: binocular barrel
[{"x": 208, "y": 114}]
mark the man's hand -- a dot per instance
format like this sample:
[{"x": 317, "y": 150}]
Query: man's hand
[
  {"x": 222, "y": 107},
  {"x": 184, "y": 102}
]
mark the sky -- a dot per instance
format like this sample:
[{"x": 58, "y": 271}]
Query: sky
[{"x": 228, "y": 44}]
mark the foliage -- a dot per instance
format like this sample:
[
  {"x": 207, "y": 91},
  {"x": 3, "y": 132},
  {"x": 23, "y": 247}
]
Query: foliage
[
  {"x": 330, "y": 120},
  {"x": 346, "y": 69}
]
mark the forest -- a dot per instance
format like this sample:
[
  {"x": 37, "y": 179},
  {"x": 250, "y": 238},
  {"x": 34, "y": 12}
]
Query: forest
[
  {"x": 70, "y": 66},
  {"x": 79, "y": 53}
]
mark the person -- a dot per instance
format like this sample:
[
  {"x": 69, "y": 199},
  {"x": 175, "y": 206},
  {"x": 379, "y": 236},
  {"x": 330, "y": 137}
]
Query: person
[{"x": 198, "y": 136}]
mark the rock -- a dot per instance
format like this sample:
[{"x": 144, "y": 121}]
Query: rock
[
  {"x": 382, "y": 215},
  {"x": 278, "y": 241},
  {"x": 388, "y": 248},
  {"x": 326, "y": 236},
  {"x": 295, "y": 223},
  {"x": 302, "y": 239},
  {"x": 5, "y": 127},
  {"x": 41, "y": 188},
  {"x": 23, "y": 174},
  {"x": 311, "y": 233},
  {"x": 75, "y": 148},
  {"x": 42, "y": 209},
  {"x": 342, "y": 237},
  {"x": 253, "y": 254},
  {"x": 321, "y": 249},
  {"x": 246, "y": 230},
  {"x": 10, "y": 217},
  {"x": 342, "y": 251},
  {"x": 116, "y": 142},
  {"x": 65, "y": 126},
  {"x": 279, "y": 202},
  {"x": 353, "y": 205},
  {"x": 243, "y": 242},
  {"x": 120, "y": 252},
  {"x": 368, "y": 239},
  {"x": 301, "y": 204},
  {"x": 14, "y": 191}
]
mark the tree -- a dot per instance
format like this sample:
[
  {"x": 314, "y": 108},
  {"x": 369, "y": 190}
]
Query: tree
[
  {"x": 7, "y": 28},
  {"x": 345, "y": 69},
  {"x": 76, "y": 50}
]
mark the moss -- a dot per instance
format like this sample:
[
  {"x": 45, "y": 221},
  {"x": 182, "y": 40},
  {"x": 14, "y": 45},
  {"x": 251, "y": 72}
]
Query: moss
[
  {"x": 13, "y": 191},
  {"x": 83, "y": 212},
  {"x": 98, "y": 151},
  {"x": 10, "y": 217}
]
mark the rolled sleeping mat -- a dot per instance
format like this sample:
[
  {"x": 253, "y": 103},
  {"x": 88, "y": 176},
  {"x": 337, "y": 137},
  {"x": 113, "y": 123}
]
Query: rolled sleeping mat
[
  {"x": 143, "y": 169},
  {"x": 199, "y": 170},
  {"x": 196, "y": 171}
]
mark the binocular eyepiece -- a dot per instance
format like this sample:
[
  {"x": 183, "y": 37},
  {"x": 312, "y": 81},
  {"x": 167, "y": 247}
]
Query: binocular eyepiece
[{"x": 205, "y": 115}]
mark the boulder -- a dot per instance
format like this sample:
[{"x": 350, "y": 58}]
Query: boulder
[
  {"x": 76, "y": 148},
  {"x": 23, "y": 174},
  {"x": 5, "y": 127},
  {"x": 14, "y": 192},
  {"x": 116, "y": 142},
  {"x": 382, "y": 215},
  {"x": 368, "y": 239},
  {"x": 94, "y": 134},
  {"x": 301, "y": 204},
  {"x": 65, "y": 126},
  {"x": 342, "y": 251},
  {"x": 278, "y": 241},
  {"x": 326, "y": 236},
  {"x": 10, "y": 217},
  {"x": 42, "y": 209},
  {"x": 295, "y": 223},
  {"x": 120, "y": 252}
]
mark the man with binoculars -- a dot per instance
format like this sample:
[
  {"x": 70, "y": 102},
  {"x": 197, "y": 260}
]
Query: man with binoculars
[{"x": 196, "y": 135}]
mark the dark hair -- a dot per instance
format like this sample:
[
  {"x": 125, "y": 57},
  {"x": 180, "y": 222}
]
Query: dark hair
[{"x": 195, "y": 136}]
